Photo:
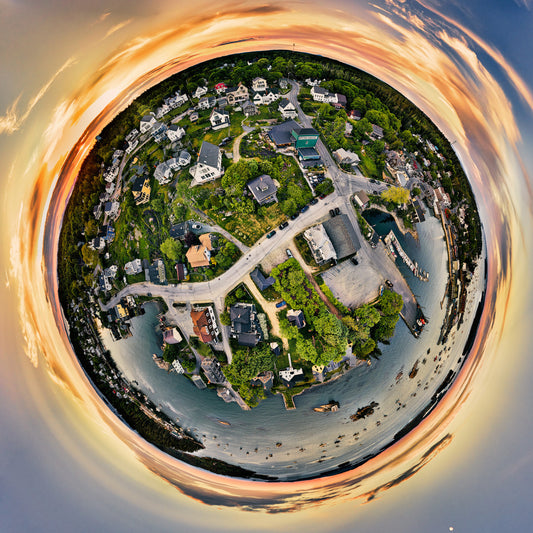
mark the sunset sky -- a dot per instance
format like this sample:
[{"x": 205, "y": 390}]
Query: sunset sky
[{"x": 66, "y": 68}]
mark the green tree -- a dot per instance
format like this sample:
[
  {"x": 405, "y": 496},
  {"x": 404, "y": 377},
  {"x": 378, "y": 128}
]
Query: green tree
[
  {"x": 171, "y": 248},
  {"x": 91, "y": 229},
  {"x": 89, "y": 256},
  {"x": 225, "y": 319},
  {"x": 390, "y": 303}
]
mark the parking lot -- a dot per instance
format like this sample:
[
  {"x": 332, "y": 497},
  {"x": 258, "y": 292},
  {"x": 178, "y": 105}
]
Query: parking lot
[{"x": 353, "y": 285}]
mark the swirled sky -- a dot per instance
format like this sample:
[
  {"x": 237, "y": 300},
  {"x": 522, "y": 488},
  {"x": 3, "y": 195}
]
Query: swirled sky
[{"x": 66, "y": 68}]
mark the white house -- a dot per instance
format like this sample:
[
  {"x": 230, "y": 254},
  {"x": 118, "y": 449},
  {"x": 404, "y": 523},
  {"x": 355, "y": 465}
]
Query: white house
[
  {"x": 288, "y": 373},
  {"x": 320, "y": 94},
  {"x": 200, "y": 91},
  {"x": 259, "y": 84},
  {"x": 219, "y": 119},
  {"x": 159, "y": 130},
  {"x": 132, "y": 134},
  {"x": 163, "y": 173},
  {"x": 133, "y": 267},
  {"x": 312, "y": 83},
  {"x": 287, "y": 109},
  {"x": 175, "y": 133},
  {"x": 207, "y": 102},
  {"x": 111, "y": 209},
  {"x": 177, "y": 366},
  {"x": 320, "y": 244},
  {"x": 177, "y": 100},
  {"x": 184, "y": 158},
  {"x": 265, "y": 97},
  {"x": 173, "y": 163},
  {"x": 209, "y": 165},
  {"x": 132, "y": 145},
  {"x": 346, "y": 157},
  {"x": 147, "y": 123}
]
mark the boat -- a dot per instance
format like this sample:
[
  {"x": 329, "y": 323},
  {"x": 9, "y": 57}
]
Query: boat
[
  {"x": 223, "y": 422},
  {"x": 332, "y": 406}
]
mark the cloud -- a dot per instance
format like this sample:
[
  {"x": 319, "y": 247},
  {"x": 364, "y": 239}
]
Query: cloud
[
  {"x": 11, "y": 121},
  {"x": 117, "y": 27},
  {"x": 523, "y": 3}
]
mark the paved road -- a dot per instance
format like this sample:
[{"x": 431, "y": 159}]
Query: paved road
[
  {"x": 345, "y": 186},
  {"x": 215, "y": 290}
]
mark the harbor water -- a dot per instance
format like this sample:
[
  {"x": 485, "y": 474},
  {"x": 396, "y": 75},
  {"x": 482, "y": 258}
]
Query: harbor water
[{"x": 314, "y": 443}]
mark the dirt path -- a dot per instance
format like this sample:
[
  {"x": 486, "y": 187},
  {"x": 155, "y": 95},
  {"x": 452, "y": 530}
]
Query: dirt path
[
  {"x": 269, "y": 308},
  {"x": 237, "y": 146},
  {"x": 309, "y": 271}
]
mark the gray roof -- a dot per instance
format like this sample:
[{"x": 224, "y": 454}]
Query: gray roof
[
  {"x": 241, "y": 320},
  {"x": 262, "y": 187},
  {"x": 284, "y": 102},
  {"x": 342, "y": 235},
  {"x": 209, "y": 154},
  {"x": 281, "y": 134},
  {"x": 260, "y": 280},
  {"x": 320, "y": 90},
  {"x": 248, "y": 339},
  {"x": 178, "y": 231}
]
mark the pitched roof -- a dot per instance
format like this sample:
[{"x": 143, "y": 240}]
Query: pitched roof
[
  {"x": 196, "y": 256},
  {"x": 209, "y": 154},
  {"x": 205, "y": 239},
  {"x": 281, "y": 134},
  {"x": 262, "y": 187},
  {"x": 342, "y": 235},
  {"x": 260, "y": 280},
  {"x": 200, "y": 325}
]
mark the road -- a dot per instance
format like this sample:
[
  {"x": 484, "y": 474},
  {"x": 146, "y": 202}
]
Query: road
[{"x": 215, "y": 290}]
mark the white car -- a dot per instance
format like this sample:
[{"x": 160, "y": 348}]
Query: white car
[
  {"x": 289, "y": 253},
  {"x": 196, "y": 226}
]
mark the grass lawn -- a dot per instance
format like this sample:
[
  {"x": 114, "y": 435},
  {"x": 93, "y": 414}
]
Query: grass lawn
[{"x": 250, "y": 228}]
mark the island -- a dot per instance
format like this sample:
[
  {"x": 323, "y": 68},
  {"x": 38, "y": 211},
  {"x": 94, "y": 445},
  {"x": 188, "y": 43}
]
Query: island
[{"x": 239, "y": 195}]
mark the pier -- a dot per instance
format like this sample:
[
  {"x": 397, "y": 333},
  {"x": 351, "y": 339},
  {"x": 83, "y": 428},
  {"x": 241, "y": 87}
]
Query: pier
[{"x": 391, "y": 242}]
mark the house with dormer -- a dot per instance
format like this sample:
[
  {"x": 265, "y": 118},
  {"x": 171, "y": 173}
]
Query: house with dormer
[
  {"x": 220, "y": 88},
  {"x": 287, "y": 109},
  {"x": 219, "y": 119},
  {"x": 147, "y": 122},
  {"x": 236, "y": 95},
  {"x": 175, "y": 133},
  {"x": 199, "y": 255},
  {"x": 259, "y": 84},
  {"x": 141, "y": 190},
  {"x": 207, "y": 102},
  {"x": 320, "y": 94},
  {"x": 263, "y": 189},
  {"x": 209, "y": 164},
  {"x": 200, "y": 91}
]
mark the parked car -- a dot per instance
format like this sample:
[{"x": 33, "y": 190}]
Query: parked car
[
  {"x": 295, "y": 216},
  {"x": 314, "y": 201},
  {"x": 283, "y": 225},
  {"x": 389, "y": 283},
  {"x": 337, "y": 211},
  {"x": 281, "y": 304},
  {"x": 332, "y": 212},
  {"x": 322, "y": 196},
  {"x": 354, "y": 261},
  {"x": 289, "y": 253},
  {"x": 196, "y": 226},
  {"x": 304, "y": 209},
  {"x": 271, "y": 234}
]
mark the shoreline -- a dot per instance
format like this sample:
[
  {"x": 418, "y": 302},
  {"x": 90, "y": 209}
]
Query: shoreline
[{"x": 399, "y": 222}]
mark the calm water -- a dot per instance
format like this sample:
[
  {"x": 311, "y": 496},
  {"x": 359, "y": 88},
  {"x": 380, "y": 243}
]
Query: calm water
[{"x": 261, "y": 428}]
